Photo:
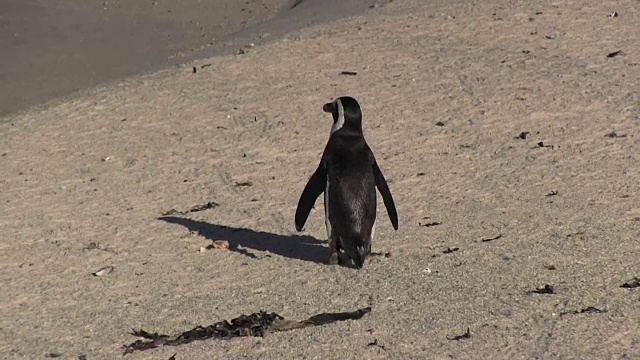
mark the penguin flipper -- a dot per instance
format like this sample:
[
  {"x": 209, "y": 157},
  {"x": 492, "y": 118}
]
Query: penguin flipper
[
  {"x": 382, "y": 186},
  {"x": 315, "y": 186}
]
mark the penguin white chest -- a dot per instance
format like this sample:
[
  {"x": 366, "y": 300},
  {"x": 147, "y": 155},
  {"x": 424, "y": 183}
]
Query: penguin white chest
[{"x": 327, "y": 222}]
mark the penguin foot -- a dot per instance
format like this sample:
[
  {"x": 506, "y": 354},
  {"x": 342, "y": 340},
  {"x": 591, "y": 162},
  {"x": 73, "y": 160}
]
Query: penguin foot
[{"x": 334, "y": 259}]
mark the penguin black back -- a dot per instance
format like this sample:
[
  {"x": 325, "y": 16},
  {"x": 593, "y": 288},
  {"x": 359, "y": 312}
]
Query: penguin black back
[{"x": 348, "y": 174}]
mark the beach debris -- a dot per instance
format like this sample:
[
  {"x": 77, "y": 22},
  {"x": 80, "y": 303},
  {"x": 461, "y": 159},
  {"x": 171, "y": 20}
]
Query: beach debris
[
  {"x": 449, "y": 250},
  {"x": 613, "y": 14},
  {"x": 616, "y": 53},
  {"x": 550, "y": 267},
  {"x": 97, "y": 246},
  {"x": 195, "y": 70},
  {"x": 492, "y": 238},
  {"x": 375, "y": 343},
  {"x": 633, "y": 283},
  {"x": 429, "y": 224},
  {"x": 204, "y": 66},
  {"x": 522, "y": 135},
  {"x": 547, "y": 289},
  {"x": 420, "y": 174},
  {"x": 466, "y": 335},
  {"x": 542, "y": 145},
  {"x": 587, "y": 310},
  {"x": 108, "y": 158},
  {"x": 217, "y": 244},
  {"x": 439, "y": 123},
  {"x": 552, "y": 193},
  {"x": 104, "y": 271},
  {"x": 243, "y": 183},
  {"x": 82, "y": 357},
  {"x": 615, "y": 135},
  {"x": 173, "y": 357},
  {"x": 507, "y": 256},
  {"x": 352, "y": 73},
  {"x": 220, "y": 244},
  {"x": 385, "y": 254},
  {"x": 196, "y": 208},
  {"x": 53, "y": 355},
  {"x": 256, "y": 324}
]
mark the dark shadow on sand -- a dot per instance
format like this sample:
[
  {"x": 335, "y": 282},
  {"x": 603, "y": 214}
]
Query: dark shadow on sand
[{"x": 301, "y": 247}]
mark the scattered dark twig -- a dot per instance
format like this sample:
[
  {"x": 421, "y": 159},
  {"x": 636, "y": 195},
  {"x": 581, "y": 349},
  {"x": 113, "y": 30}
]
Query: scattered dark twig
[
  {"x": 466, "y": 335},
  {"x": 522, "y": 135},
  {"x": 195, "y": 70},
  {"x": 173, "y": 357},
  {"x": 449, "y": 250},
  {"x": 439, "y": 123},
  {"x": 615, "y": 135},
  {"x": 547, "y": 289},
  {"x": 552, "y": 193},
  {"x": 541, "y": 144},
  {"x": 256, "y": 324},
  {"x": 244, "y": 183},
  {"x": 204, "y": 66},
  {"x": 491, "y": 239},
  {"x": 429, "y": 224},
  {"x": 207, "y": 206},
  {"x": 587, "y": 310},
  {"x": 348, "y": 73},
  {"x": 616, "y": 53},
  {"x": 376, "y": 344},
  {"x": 550, "y": 267},
  {"x": 386, "y": 254},
  {"x": 631, "y": 284}
]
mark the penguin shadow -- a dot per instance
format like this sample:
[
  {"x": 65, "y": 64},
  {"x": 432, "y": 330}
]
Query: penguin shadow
[{"x": 301, "y": 247}]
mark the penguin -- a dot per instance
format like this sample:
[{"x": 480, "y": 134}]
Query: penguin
[{"x": 348, "y": 175}]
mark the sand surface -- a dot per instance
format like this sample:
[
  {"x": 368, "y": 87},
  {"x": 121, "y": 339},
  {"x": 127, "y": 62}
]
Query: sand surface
[{"x": 446, "y": 90}]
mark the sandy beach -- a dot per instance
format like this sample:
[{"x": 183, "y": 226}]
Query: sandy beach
[{"x": 507, "y": 131}]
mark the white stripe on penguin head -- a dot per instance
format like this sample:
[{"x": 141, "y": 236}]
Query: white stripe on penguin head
[{"x": 338, "y": 124}]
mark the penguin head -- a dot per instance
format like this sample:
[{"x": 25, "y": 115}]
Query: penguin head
[
  {"x": 346, "y": 114},
  {"x": 357, "y": 252}
]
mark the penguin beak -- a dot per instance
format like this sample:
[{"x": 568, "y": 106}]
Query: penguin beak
[{"x": 328, "y": 107}]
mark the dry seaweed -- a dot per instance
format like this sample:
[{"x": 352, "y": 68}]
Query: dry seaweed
[
  {"x": 256, "y": 324},
  {"x": 614, "y": 135},
  {"x": 196, "y": 208},
  {"x": 376, "y": 344},
  {"x": 450, "y": 250},
  {"x": 616, "y": 53},
  {"x": 491, "y": 239},
  {"x": 430, "y": 224},
  {"x": 466, "y": 335},
  {"x": 552, "y": 193},
  {"x": 633, "y": 283},
  {"x": 547, "y": 289},
  {"x": 244, "y": 183},
  {"x": 352, "y": 73},
  {"x": 587, "y": 310}
]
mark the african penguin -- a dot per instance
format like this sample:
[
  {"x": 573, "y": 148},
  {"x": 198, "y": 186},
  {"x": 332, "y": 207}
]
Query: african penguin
[{"x": 348, "y": 174}]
